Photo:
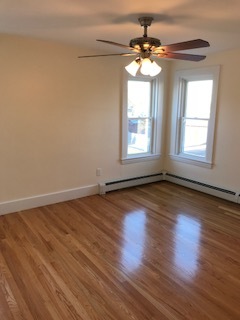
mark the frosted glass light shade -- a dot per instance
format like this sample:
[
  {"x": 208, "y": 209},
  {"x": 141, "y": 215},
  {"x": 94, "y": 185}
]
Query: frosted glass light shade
[
  {"x": 146, "y": 66},
  {"x": 155, "y": 69},
  {"x": 133, "y": 67}
]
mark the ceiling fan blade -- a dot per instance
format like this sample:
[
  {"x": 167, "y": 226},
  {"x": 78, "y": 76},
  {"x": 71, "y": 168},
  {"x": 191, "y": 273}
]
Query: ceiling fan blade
[
  {"x": 107, "y": 55},
  {"x": 119, "y": 45},
  {"x": 180, "y": 56},
  {"x": 187, "y": 45}
]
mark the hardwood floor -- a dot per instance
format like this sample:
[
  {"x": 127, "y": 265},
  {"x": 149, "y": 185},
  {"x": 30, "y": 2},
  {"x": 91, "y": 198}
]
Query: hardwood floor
[{"x": 158, "y": 251}]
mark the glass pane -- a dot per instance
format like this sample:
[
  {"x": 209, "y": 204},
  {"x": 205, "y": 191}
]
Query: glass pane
[
  {"x": 139, "y": 99},
  {"x": 139, "y": 133},
  {"x": 198, "y": 99},
  {"x": 195, "y": 137}
]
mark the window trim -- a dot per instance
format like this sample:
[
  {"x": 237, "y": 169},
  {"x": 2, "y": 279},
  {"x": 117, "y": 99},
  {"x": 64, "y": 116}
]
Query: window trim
[
  {"x": 181, "y": 77},
  {"x": 157, "y": 110}
]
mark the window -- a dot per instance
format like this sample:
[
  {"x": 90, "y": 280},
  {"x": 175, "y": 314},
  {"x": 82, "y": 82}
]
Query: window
[
  {"x": 194, "y": 116},
  {"x": 141, "y": 118}
]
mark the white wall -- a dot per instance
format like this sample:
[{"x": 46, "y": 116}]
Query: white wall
[
  {"x": 59, "y": 119},
  {"x": 225, "y": 172}
]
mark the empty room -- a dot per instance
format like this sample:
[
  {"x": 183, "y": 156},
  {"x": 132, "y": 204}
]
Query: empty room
[{"x": 119, "y": 160}]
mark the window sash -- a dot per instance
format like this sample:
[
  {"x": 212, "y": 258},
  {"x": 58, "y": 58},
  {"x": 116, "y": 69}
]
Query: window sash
[
  {"x": 194, "y": 141},
  {"x": 140, "y": 136}
]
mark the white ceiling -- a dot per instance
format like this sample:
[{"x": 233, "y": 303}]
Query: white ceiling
[{"x": 81, "y": 22}]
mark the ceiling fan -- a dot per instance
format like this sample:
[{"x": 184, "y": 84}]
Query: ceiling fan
[{"x": 146, "y": 47}]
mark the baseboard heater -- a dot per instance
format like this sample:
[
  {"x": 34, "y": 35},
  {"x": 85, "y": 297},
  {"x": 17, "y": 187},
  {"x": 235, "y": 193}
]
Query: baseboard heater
[
  {"x": 129, "y": 182},
  {"x": 203, "y": 187},
  {"x": 226, "y": 194}
]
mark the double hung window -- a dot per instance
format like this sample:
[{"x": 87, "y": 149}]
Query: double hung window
[
  {"x": 195, "y": 109},
  {"x": 141, "y": 119}
]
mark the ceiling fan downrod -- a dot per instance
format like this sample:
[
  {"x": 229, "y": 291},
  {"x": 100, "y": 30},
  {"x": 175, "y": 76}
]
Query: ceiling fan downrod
[{"x": 145, "y": 22}]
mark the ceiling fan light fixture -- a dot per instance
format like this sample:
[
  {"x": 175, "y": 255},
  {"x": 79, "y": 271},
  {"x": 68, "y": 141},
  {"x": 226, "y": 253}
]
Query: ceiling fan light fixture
[
  {"x": 148, "y": 67},
  {"x": 133, "y": 67}
]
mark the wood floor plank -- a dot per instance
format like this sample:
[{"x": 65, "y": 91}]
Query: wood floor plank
[{"x": 158, "y": 251}]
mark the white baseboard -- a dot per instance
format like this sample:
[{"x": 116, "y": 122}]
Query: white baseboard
[{"x": 46, "y": 199}]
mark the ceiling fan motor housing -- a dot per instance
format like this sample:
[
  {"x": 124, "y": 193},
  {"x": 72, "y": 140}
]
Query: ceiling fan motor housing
[{"x": 145, "y": 43}]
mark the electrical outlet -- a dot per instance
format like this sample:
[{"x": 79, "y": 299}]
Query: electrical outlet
[{"x": 98, "y": 172}]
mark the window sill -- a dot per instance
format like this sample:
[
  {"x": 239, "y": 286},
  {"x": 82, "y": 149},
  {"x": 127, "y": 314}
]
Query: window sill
[
  {"x": 141, "y": 158},
  {"x": 199, "y": 163}
]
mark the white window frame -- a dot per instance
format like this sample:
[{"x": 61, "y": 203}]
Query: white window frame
[
  {"x": 157, "y": 99},
  {"x": 181, "y": 77}
]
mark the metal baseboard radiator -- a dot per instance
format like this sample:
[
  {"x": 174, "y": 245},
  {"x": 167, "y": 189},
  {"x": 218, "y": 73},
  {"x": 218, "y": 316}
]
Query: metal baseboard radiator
[
  {"x": 203, "y": 187},
  {"x": 128, "y": 182}
]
